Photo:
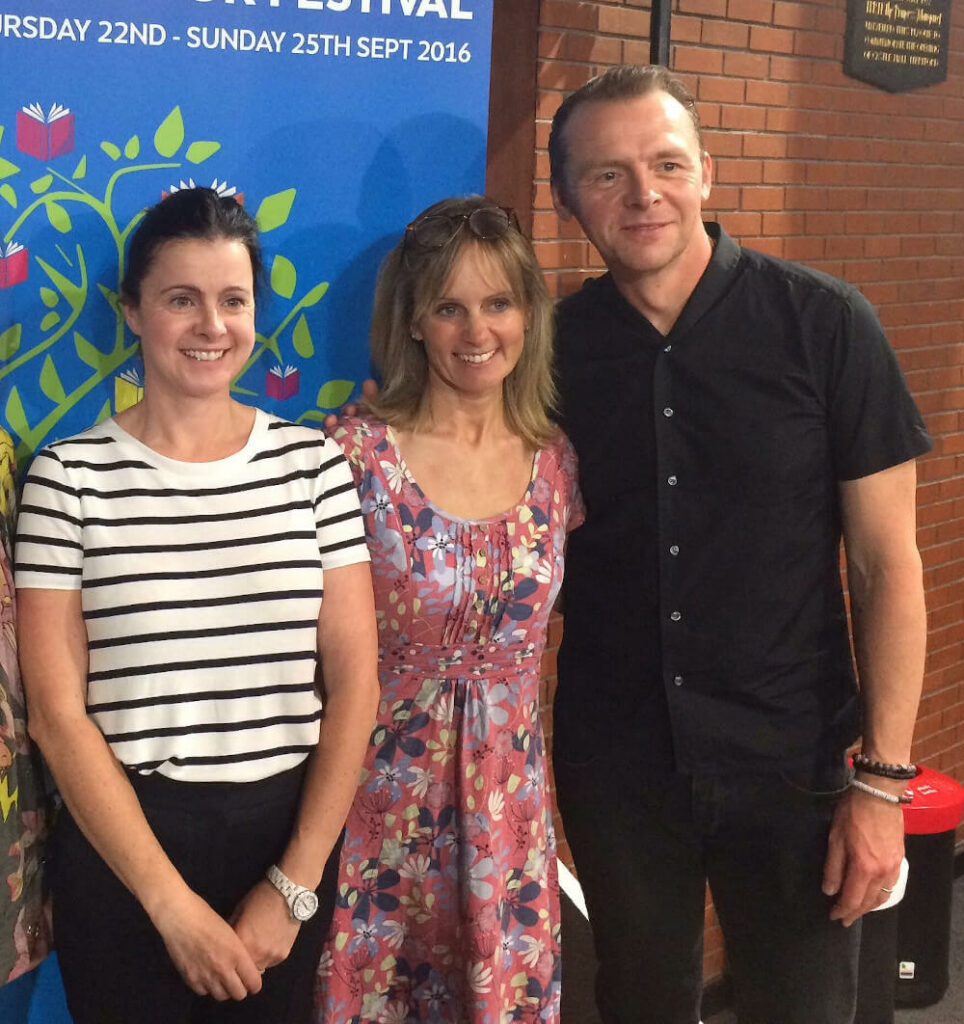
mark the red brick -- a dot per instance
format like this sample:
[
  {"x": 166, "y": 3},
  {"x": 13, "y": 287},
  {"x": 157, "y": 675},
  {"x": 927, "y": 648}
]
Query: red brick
[
  {"x": 750, "y": 10},
  {"x": 723, "y": 143},
  {"x": 793, "y": 15},
  {"x": 741, "y": 225},
  {"x": 767, "y": 94},
  {"x": 721, "y": 90},
  {"x": 691, "y": 58},
  {"x": 740, "y": 171},
  {"x": 623, "y": 21},
  {"x": 764, "y": 197},
  {"x": 713, "y": 8},
  {"x": 791, "y": 224},
  {"x": 746, "y": 65},
  {"x": 565, "y": 14},
  {"x": 725, "y": 33},
  {"x": 765, "y": 145},
  {"x": 771, "y": 40}
]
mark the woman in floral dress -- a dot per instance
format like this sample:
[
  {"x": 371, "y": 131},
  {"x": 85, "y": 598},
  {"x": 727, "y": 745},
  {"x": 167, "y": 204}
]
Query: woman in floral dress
[{"x": 448, "y": 905}]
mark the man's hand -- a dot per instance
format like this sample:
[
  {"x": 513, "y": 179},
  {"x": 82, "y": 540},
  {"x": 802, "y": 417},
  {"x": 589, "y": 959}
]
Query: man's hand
[
  {"x": 262, "y": 922},
  {"x": 369, "y": 390},
  {"x": 208, "y": 954},
  {"x": 863, "y": 854}
]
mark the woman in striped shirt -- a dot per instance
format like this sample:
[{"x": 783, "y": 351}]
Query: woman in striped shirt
[{"x": 180, "y": 569}]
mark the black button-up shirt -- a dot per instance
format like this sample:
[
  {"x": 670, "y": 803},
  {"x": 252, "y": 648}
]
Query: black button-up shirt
[{"x": 705, "y": 624}]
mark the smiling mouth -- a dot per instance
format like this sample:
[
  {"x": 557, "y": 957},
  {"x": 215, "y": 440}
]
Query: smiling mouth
[
  {"x": 204, "y": 355},
  {"x": 482, "y": 357}
]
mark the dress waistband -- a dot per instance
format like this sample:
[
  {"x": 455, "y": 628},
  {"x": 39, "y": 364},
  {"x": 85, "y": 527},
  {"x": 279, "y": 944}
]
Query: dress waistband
[{"x": 463, "y": 661}]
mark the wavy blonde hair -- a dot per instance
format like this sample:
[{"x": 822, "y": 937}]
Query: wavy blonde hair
[{"x": 411, "y": 278}]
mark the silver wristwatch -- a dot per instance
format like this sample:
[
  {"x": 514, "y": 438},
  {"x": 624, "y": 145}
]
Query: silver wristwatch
[{"x": 302, "y": 902}]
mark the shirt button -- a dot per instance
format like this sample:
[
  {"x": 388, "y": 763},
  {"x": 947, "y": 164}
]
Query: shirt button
[
  {"x": 667, "y": 412},
  {"x": 675, "y": 616},
  {"x": 672, "y": 481},
  {"x": 674, "y": 549},
  {"x": 668, "y": 348},
  {"x": 677, "y": 680}
]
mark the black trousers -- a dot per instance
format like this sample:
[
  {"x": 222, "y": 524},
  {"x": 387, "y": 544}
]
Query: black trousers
[
  {"x": 644, "y": 847},
  {"x": 221, "y": 837}
]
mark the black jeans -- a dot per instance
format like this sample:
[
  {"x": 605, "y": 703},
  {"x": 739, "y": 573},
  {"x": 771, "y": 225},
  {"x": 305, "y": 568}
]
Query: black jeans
[
  {"x": 221, "y": 837},
  {"x": 644, "y": 847}
]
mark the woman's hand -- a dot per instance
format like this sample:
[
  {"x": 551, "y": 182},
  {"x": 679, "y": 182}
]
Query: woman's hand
[
  {"x": 264, "y": 925},
  {"x": 369, "y": 391},
  {"x": 205, "y": 949}
]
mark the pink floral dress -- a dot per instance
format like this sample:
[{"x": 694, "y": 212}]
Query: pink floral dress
[{"x": 448, "y": 902}]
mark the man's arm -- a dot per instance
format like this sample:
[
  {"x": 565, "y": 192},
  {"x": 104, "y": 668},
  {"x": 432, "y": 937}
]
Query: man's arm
[{"x": 890, "y": 632}]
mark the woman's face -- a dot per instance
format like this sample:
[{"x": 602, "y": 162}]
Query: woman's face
[
  {"x": 195, "y": 317},
  {"x": 474, "y": 330}
]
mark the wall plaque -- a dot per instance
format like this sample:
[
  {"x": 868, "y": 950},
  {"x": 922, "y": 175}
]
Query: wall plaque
[{"x": 897, "y": 44}]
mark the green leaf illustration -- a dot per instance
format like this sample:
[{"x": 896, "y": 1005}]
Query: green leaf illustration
[
  {"x": 50, "y": 382},
  {"x": 1, "y": 133},
  {"x": 284, "y": 277},
  {"x": 301, "y": 337},
  {"x": 80, "y": 171},
  {"x": 312, "y": 416},
  {"x": 104, "y": 413},
  {"x": 8, "y": 193},
  {"x": 315, "y": 294},
  {"x": 16, "y": 416},
  {"x": 73, "y": 294},
  {"x": 7, "y": 168},
  {"x": 132, "y": 148},
  {"x": 90, "y": 354},
  {"x": 10, "y": 341},
  {"x": 112, "y": 298},
  {"x": 111, "y": 150},
  {"x": 170, "y": 134},
  {"x": 50, "y": 320},
  {"x": 49, "y": 297},
  {"x": 59, "y": 218},
  {"x": 334, "y": 394},
  {"x": 41, "y": 184},
  {"x": 198, "y": 152},
  {"x": 275, "y": 209}
]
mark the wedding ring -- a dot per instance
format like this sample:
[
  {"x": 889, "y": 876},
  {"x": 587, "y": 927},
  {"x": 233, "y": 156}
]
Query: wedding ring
[{"x": 884, "y": 888}]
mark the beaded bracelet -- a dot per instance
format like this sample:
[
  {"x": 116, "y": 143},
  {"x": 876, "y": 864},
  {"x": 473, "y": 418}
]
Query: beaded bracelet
[
  {"x": 901, "y": 772},
  {"x": 881, "y": 794}
]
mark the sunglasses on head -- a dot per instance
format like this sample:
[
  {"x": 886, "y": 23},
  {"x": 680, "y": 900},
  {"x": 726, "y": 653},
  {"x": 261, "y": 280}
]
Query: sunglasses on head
[{"x": 436, "y": 230}]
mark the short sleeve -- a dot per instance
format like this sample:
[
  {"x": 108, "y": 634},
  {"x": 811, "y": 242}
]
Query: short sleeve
[
  {"x": 875, "y": 423},
  {"x": 49, "y": 550},
  {"x": 338, "y": 518}
]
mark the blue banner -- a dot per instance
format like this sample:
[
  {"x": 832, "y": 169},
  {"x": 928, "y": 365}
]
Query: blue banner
[{"x": 333, "y": 121}]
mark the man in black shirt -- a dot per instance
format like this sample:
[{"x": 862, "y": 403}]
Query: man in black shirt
[{"x": 733, "y": 414}]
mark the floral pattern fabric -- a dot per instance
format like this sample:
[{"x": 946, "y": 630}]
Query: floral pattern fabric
[
  {"x": 448, "y": 905},
  {"x": 24, "y": 921}
]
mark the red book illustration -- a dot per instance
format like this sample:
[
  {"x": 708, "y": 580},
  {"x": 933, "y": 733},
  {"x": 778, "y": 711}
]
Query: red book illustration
[
  {"x": 13, "y": 264},
  {"x": 281, "y": 382},
  {"x": 221, "y": 187},
  {"x": 45, "y": 135}
]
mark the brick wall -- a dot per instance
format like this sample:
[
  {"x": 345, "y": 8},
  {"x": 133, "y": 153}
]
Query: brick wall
[{"x": 813, "y": 166}]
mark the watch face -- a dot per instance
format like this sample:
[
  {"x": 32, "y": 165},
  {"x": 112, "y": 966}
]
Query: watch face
[{"x": 304, "y": 906}]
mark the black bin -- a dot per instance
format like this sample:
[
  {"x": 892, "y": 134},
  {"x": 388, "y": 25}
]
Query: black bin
[{"x": 924, "y": 915}]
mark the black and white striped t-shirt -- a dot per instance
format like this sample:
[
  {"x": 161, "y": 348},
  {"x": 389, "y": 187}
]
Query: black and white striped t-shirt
[{"x": 201, "y": 586}]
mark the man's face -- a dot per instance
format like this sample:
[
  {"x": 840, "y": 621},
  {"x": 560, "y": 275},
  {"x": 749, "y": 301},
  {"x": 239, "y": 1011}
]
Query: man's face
[{"x": 636, "y": 181}]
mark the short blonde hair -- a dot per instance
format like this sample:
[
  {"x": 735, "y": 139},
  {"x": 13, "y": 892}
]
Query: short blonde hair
[{"x": 412, "y": 278}]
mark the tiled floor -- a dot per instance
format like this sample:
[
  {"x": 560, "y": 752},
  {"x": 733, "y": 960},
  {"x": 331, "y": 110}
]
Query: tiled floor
[{"x": 579, "y": 967}]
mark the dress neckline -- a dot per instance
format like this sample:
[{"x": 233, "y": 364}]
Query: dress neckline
[{"x": 450, "y": 516}]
